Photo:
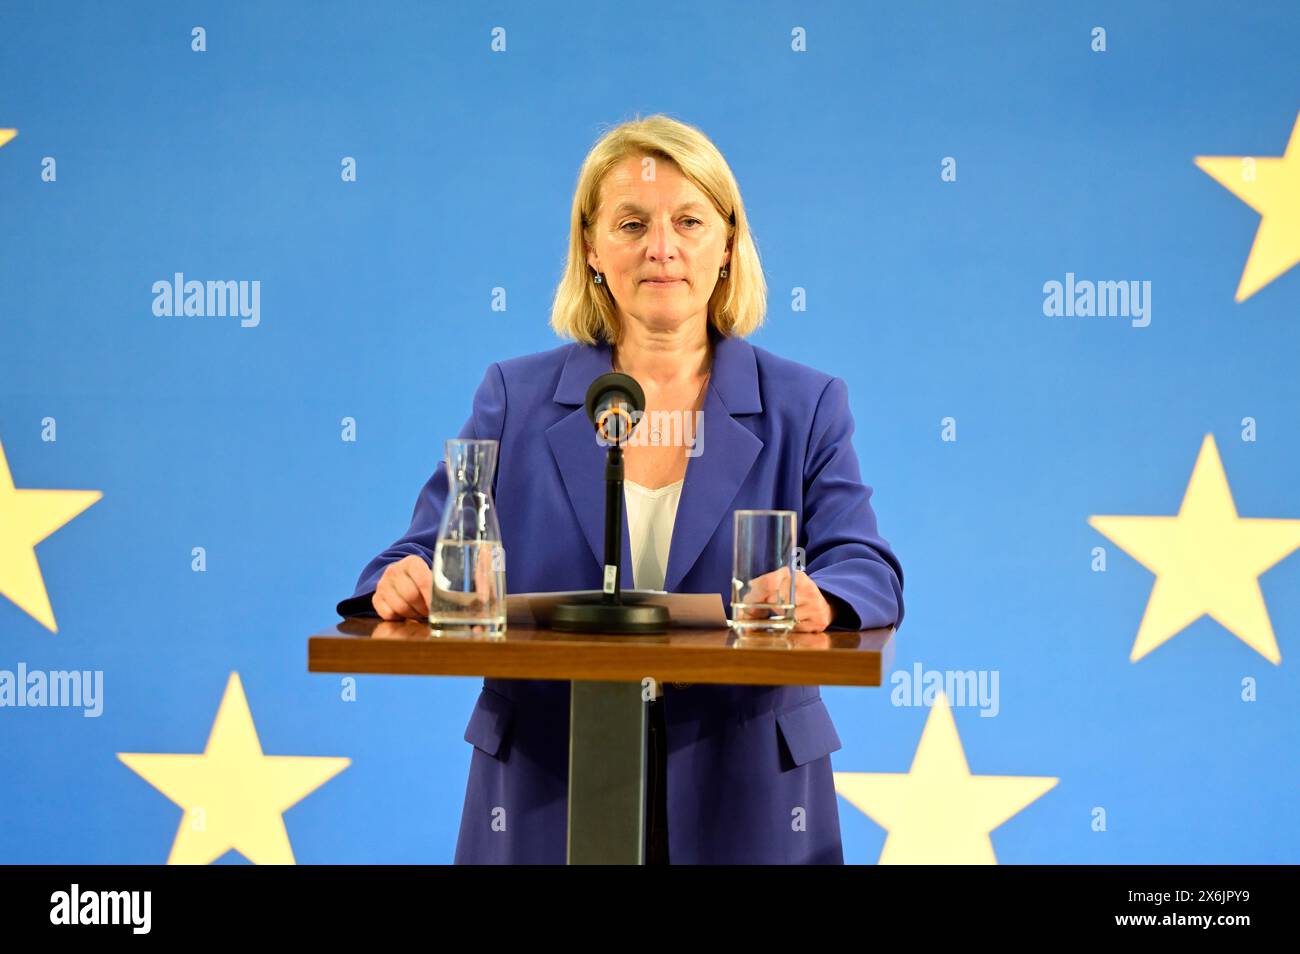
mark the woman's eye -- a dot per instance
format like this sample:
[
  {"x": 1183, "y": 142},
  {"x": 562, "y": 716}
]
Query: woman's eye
[{"x": 624, "y": 226}]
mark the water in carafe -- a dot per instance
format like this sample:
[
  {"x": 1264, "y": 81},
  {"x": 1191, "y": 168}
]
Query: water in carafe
[{"x": 469, "y": 568}]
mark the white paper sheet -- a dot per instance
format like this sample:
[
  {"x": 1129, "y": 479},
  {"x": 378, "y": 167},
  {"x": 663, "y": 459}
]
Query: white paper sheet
[{"x": 687, "y": 610}]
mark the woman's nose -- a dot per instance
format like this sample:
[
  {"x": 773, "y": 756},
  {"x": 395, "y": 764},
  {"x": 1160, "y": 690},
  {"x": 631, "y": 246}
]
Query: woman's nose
[{"x": 661, "y": 241}]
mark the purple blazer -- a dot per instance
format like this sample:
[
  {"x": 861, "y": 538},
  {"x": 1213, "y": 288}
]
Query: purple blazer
[{"x": 742, "y": 760}]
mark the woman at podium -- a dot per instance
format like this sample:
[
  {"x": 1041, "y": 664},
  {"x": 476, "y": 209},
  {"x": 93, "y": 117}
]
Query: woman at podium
[{"x": 663, "y": 283}]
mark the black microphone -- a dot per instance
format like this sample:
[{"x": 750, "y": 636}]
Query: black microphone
[{"x": 615, "y": 403}]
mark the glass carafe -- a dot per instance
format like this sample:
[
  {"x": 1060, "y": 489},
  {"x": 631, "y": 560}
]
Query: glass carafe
[{"x": 469, "y": 562}]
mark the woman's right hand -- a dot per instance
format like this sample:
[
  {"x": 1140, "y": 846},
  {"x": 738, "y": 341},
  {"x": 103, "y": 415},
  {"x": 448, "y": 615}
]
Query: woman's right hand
[{"x": 403, "y": 590}]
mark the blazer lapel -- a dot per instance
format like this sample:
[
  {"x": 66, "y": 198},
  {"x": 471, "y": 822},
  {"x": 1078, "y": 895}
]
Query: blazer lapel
[
  {"x": 725, "y": 452},
  {"x": 713, "y": 479},
  {"x": 581, "y": 459}
]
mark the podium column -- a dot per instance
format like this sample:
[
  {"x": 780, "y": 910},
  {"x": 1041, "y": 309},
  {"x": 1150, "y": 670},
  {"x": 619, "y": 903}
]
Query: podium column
[{"x": 607, "y": 773}]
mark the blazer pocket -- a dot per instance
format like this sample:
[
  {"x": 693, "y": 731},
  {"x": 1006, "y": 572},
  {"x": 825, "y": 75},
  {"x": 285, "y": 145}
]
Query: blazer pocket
[
  {"x": 807, "y": 731},
  {"x": 490, "y": 722}
]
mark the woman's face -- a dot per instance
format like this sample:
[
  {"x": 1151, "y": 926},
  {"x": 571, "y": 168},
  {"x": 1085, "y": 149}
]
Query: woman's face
[{"x": 653, "y": 223}]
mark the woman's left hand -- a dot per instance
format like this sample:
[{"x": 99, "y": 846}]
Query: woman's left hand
[{"x": 812, "y": 612}]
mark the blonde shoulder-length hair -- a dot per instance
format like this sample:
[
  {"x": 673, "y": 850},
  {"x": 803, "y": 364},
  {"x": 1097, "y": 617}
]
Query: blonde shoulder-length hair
[{"x": 584, "y": 310}]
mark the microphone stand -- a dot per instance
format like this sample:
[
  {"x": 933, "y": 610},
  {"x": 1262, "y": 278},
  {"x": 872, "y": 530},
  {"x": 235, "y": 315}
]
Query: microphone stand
[{"x": 605, "y": 612}]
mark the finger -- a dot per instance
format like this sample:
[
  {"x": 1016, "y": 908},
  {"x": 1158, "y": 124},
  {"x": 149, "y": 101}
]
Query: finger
[
  {"x": 421, "y": 577},
  {"x": 804, "y": 590},
  {"x": 392, "y": 596},
  {"x": 401, "y": 609},
  {"x": 806, "y": 625},
  {"x": 778, "y": 586},
  {"x": 419, "y": 571},
  {"x": 801, "y": 608},
  {"x": 762, "y": 587},
  {"x": 805, "y": 621},
  {"x": 756, "y": 592},
  {"x": 810, "y": 608},
  {"x": 404, "y": 588},
  {"x": 382, "y": 608}
]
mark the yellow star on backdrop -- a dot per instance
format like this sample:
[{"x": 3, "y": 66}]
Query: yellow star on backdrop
[
  {"x": 233, "y": 795},
  {"x": 26, "y": 518},
  {"x": 1207, "y": 561},
  {"x": 939, "y": 813},
  {"x": 1271, "y": 187},
  {"x": 6, "y": 135}
]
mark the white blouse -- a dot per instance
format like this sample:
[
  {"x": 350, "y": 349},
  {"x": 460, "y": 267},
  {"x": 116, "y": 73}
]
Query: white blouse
[{"x": 650, "y": 518}]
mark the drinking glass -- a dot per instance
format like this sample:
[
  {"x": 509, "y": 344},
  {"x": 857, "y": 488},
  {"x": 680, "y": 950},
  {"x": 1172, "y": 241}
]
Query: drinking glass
[{"x": 763, "y": 573}]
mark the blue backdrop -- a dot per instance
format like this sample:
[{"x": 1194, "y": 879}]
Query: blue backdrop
[{"x": 922, "y": 171}]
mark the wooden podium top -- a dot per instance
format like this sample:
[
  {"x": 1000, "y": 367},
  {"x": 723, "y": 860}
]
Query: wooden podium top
[{"x": 371, "y": 645}]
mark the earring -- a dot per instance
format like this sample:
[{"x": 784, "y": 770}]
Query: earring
[
  {"x": 722, "y": 273},
  {"x": 597, "y": 279}
]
